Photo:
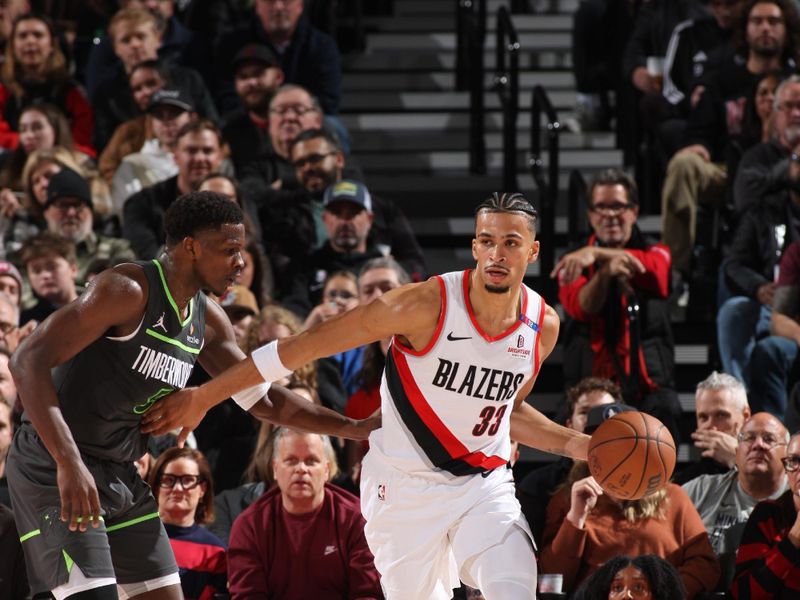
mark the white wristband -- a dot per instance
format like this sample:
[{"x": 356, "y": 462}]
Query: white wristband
[
  {"x": 247, "y": 398},
  {"x": 268, "y": 362}
]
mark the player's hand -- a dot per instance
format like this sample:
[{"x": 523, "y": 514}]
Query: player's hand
[
  {"x": 80, "y": 504},
  {"x": 366, "y": 426},
  {"x": 717, "y": 445},
  {"x": 571, "y": 265},
  {"x": 583, "y": 498},
  {"x": 177, "y": 410}
]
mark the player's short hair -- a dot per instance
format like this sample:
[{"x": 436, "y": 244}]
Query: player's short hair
[
  {"x": 312, "y": 134},
  {"x": 722, "y": 381},
  {"x": 510, "y": 203},
  {"x": 204, "y": 513},
  {"x": 614, "y": 177},
  {"x": 46, "y": 244},
  {"x": 199, "y": 211},
  {"x": 385, "y": 262},
  {"x": 588, "y": 385}
]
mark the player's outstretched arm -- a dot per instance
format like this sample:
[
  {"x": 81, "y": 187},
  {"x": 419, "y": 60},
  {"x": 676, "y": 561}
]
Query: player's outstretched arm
[
  {"x": 411, "y": 310},
  {"x": 280, "y": 406},
  {"x": 114, "y": 299},
  {"x": 532, "y": 428}
]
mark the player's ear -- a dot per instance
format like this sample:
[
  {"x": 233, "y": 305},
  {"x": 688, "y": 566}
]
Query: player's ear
[
  {"x": 191, "y": 246},
  {"x": 534, "y": 252}
]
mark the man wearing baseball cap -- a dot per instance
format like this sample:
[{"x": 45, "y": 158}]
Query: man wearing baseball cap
[
  {"x": 69, "y": 214},
  {"x": 170, "y": 108},
  {"x": 256, "y": 76},
  {"x": 347, "y": 216}
]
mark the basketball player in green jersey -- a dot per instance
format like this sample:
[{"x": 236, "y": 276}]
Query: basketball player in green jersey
[{"x": 89, "y": 526}]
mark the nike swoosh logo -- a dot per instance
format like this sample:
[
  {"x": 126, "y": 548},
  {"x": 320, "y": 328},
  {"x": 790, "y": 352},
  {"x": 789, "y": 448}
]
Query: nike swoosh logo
[
  {"x": 485, "y": 474},
  {"x": 452, "y": 338}
]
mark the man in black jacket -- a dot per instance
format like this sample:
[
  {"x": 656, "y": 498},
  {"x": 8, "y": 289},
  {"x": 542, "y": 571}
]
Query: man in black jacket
[
  {"x": 308, "y": 57},
  {"x": 198, "y": 152}
]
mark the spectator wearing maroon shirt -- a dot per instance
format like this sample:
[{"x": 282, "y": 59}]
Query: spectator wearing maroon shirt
[
  {"x": 773, "y": 356},
  {"x": 599, "y": 286},
  {"x": 768, "y": 561},
  {"x": 303, "y": 539}
]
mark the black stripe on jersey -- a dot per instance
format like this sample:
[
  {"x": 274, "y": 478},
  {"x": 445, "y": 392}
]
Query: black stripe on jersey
[{"x": 425, "y": 438}]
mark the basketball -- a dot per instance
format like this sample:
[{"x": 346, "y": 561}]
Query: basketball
[{"x": 631, "y": 455}]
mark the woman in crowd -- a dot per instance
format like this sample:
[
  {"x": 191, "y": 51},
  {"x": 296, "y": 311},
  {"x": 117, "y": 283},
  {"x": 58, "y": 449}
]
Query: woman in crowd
[
  {"x": 181, "y": 479},
  {"x": 641, "y": 577},
  {"x": 35, "y": 70},
  {"x": 585, "y": 528}
]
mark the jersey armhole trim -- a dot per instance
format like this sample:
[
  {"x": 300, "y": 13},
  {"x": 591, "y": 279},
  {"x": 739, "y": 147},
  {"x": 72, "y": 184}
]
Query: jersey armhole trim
[
  {"x": 130, "y": 336},
  {"x": 540, "y": 322},
  {"x": 439, "y": 326}
]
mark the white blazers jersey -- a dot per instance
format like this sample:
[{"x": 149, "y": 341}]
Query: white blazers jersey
[{"x": 447, "y": 408}]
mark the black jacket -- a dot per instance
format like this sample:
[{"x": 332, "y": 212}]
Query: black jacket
[
  {"x": 763, "y": 170},
  {"x": 249, "y": 143},
  {"x": 764, "y": 231},
  {"x": 311, "y": 60},
  {"x": 144, "y": 212}
]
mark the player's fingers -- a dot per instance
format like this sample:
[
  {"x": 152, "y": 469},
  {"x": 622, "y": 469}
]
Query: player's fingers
[
  {"x": 66, "y": 506},
  {"x": 94, "y": 507}
]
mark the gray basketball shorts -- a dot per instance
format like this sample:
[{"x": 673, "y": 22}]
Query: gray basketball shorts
[{"x": 130, "y": 544}]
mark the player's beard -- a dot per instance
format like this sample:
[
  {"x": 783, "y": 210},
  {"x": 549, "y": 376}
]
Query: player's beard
[{"x": 496, "y": 289}]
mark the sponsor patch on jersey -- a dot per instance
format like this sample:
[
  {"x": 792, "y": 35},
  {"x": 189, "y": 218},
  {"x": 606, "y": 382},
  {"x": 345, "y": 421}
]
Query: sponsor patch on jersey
[{"x": 518, "y": 352}]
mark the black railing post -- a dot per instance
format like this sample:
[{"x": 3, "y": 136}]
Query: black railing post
[
  {"x": 576, "y": 196},
  {"x": 470, "y": 38},
  {"x": 547, "y": 185},
  {"x": 507, "y": 85}
]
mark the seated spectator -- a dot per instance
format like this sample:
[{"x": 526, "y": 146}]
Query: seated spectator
[
  {"x": 768, "y": 560},
  {"x": 697, "y": 172},
  {"x": 136, "y": 37},
  {"x": 240, "y": 305},
  {"x": 229, "y": 186},
  {"x": 296, "y": 215},
  {"x": 69, "y": 213},
  {"x": 11, "y": 334},
  {"x": 645, "y": 576},
  {"x": 617, "y": 269},
  {"x": 347, "y": 216},
  {"x": 12, "y": 567},
  {"x": 176, "y": 44},
  {"x": 586, "y": 527},
  {"x": 769, "y": 223},
  {"x": 308, "y": 57},
  {"x": 303, "y": 519},
  {"x": 721, "y": 408},
  {"x": 257, "y": 76},
  {"x": 50, "y": 262},
  {"x": 198, "y": 152},
  {"x": 169, "y": 110},
  {"x": 726, "y": 500},
  {"x": 35, "y": 70},
  {"x": 536, "y": 489},
  {"x": 10, "y": 282},
  {"x": 773, "y": 356},
  {"x": 182, "y": 481}
]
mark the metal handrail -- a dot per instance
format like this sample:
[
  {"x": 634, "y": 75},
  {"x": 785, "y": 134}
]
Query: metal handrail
[
  {"x": 548, "y": 185},
  {"x": 470, "y": 40},
  {"x": 506, "y": 81}
]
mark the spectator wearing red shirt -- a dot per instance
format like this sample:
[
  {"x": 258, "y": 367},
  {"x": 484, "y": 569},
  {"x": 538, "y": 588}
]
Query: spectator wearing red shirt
[
  {"x": 35, "y": 70},
  {"x": 614, "y": 292},
  {"x": 303, "y": 539}
]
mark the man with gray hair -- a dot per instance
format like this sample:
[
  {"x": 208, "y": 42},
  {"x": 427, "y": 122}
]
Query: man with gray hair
[
  {"x": 721, "y": 408},
  {"x": 302, "y": 521},
  {"x": 725, "y": 500}
]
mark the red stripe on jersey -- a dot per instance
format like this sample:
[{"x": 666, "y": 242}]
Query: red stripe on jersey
[
  {"x": 468, "y": 304},
  {"x": 450, "y": 442},
  {"x": 537, "y": 338},
  {"x": 439, "y": 325}
]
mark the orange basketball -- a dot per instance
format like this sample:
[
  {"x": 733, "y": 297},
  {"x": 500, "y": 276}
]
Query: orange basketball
[{"x": 631, "y": 455}]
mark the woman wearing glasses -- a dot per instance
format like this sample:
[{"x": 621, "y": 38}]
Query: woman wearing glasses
[
  {"x": 182, "y": 482},
  {"x": 768, "y": 561}
]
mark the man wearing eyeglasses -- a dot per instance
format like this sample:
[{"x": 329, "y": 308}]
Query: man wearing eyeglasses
[
  {"x": 768, "y": 561},
  {"x": 614, "y": 290},
  {"x": 726, "y": 500}
]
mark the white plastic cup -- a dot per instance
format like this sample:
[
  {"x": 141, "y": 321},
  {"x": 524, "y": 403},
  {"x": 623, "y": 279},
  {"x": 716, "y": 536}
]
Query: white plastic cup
[{"x": 551, "y": 582}]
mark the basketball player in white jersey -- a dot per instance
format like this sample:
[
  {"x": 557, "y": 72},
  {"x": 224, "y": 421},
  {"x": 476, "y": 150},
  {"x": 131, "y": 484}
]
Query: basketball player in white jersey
[{"x": 435, "y": 489}]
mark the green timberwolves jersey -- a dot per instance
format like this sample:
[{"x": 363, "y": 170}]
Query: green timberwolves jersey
[{"x": 106, "y": 388}]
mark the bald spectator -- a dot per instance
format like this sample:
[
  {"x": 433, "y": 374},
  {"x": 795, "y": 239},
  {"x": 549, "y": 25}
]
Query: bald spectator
[
  {"x": 303, "y": 521},
  {"x": 308, "y": 57},
  {"x": 721, "y": 408},
  {"x": 726, "y": 500},
  {"x": 198, "y": 152}
]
